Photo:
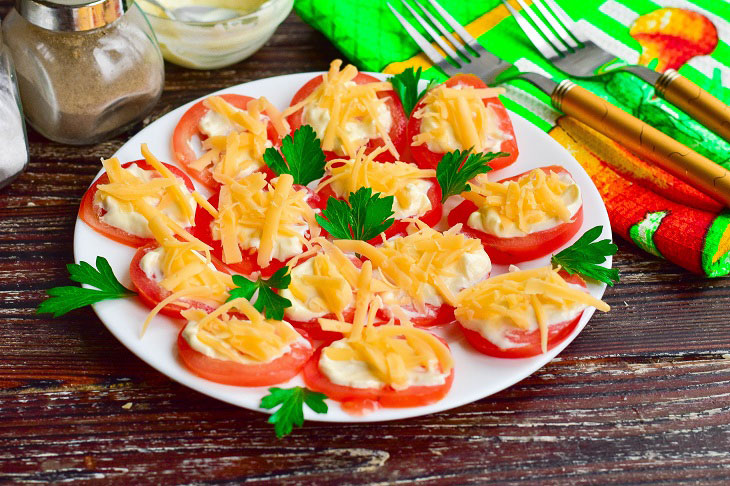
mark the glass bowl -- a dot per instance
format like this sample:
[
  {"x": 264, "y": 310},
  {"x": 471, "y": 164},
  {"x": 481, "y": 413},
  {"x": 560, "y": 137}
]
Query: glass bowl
[{"x": 212, "y": 45}]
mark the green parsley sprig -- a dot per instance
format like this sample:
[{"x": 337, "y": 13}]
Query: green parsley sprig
[
  {"x": 363, "y": 217},
  {"x": 303, "y": 156},
  {"x": 62, "y": 300},
  {"x": 457, "y": 168},
  {"x": 405, "y": 85},
  {"x": 268, "y": 302},
  {"x": 586, "y": 255},
  {"x": 291, "y": 412}
]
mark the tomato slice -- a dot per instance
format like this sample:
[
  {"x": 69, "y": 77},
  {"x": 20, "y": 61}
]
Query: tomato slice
[
  {"x": 399, "y": 227},
  {"x": 397, "y": 129},
  {"x": 249, "y": 265},
  {"x": 151, "y": 293},
  {"x": 188, "y": 127},
  {"x": 427, "y": 159},
  {"x": 528, "y": 342},
  {"x": 519, "y": 248},
  {"x": 91, "y": 214},
  {"x": 414, "y": 396},
  {"x": 226, "y": 372}
]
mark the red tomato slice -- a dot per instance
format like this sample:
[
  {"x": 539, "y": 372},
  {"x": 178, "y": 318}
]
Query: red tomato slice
[
  {"x": 397, "y": 129},
  {"x": 312, "y": 327},
  {"x": 91, "y": 214},
  {"x": 520, "y": 248},
  {"x": 399, "y": 227},
  {"x": 277, "y": 371},
  {"x": 188, "y": 127},
  {"x": 248, "y": 265},
  {"x": 414, "y": 396},
  {"x": 151, "y": 293},
  {"x": 427, "y": 159},
  {"x": 528, "y": 341}
]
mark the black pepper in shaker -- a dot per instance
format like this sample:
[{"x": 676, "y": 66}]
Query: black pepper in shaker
[
  {"x": 14, "y": 153},
  {"x": 87, "y": 70}
]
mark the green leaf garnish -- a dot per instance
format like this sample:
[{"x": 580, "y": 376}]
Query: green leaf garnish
[
  {"x": 292, "y": 402},
  {"x": 303, "y": 156},
  {"x": 64, "y": 299},
  {"x": 405, "y": 85},
  {"x": 585, "y": 256},
  {"x": 268, "y": 302},
  {"x": 364, "y": 217},
  {"x": 457, "y": 168}
]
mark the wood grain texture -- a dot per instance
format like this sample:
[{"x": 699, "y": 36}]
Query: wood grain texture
[{"x": 641, "y": 397}]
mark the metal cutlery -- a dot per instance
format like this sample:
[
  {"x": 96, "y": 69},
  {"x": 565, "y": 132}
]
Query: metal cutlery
[
  {"x": 575, "y": 101},
  {"x": 584, "y": 59}
]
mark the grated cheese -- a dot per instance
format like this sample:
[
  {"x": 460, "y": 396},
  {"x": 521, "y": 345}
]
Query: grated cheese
[
  {"x": 347, "y": 115},
  {"x": 537, "y": 201},
  {"x": 522, "y": 300},
  {"x": 456, "y": 118}
]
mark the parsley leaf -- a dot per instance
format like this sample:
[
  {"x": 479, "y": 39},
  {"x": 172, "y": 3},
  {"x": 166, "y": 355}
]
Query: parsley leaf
[
  {"x": 305, "y": 159},
  {"x": 585, "y": 256},
  {"x": 405, "y": 85},
  {"x": 457, "y": 168},
  {"x": 364, "y": 217},
  {"x": 62, "y": 300},
  {"x": 292, "y": 402},
  {"x": 268, "y": 302}
]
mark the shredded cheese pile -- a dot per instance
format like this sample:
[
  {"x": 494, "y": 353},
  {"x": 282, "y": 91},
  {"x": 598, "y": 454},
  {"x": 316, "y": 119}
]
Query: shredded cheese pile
[
  {"x": 255, "y": 339},
  {"x": 347, "y": 103},
  {"x": 241, "y": 151},
  {"x": 418, "y": 260},
  {"x": 531, "y": 199},
  {"x": 333, "y": 282},
  {"x": 255, "y": 214},
  {"x": 457, "y": 119},
  {"x": 154, "y": 199},
  {"x": 513, "y": 298},
  {"x": 390, "y": 351},
  {"x": 391, "y": 179}
]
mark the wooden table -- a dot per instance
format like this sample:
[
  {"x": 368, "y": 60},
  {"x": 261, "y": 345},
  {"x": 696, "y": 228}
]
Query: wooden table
[{"x": 641, "y": 397}]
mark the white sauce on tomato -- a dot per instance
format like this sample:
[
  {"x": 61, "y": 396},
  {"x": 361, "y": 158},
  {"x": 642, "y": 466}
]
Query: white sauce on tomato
[
  {"x": 489, "y": 221},
  {"x": 357, "y": 374},
  {"x": 491, "y": 135},
  {"x": 497, "y": 330},
  {"x": 359, "y": 132},
  {"x": 213, "y": 124},
  {"x": 300, "y": 310},
  {"x": 120, "y": 215},
  {"x": 190, "y": 334},
  {"x": 151, "y": 264}
]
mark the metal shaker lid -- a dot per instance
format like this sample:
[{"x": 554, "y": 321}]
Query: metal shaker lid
[{"x": 71, "y": 15}]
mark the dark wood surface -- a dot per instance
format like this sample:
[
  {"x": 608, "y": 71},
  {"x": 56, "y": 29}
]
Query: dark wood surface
[{"x": 641, "y": 397}]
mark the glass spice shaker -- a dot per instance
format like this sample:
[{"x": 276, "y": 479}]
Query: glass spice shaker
[
  {"x": 87, "y": 70},
  {"x": 14, "y": 153}
]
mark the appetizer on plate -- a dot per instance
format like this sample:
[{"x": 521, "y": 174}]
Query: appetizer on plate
[
  {"x": 247, "y": 350},
  {"x": 349, "y": 110},
  {"x": 461, "y": 114},
  {"x": 388, "y": 365},
  {"x": 120, "y": 203},
  {"x": 523, "y": 217},
  {"x": 227, "y": 135},
  {"x": 256, "y": 226},
  {"x": 523, "y": 313}
]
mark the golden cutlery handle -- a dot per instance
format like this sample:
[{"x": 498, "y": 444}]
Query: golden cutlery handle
[
  {"x": 695, "y": 101},
  {"x": 644, "y": 140}
]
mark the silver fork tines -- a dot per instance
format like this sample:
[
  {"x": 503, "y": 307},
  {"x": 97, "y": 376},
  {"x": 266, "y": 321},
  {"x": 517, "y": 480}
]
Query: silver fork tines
[
  {"x": 473, "y": 55},
  {"x": 543, "y": 38}
]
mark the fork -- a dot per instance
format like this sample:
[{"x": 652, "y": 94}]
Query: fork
[
  {"x": 584, "y": 59},
  {"x": 644, "y": 140}
]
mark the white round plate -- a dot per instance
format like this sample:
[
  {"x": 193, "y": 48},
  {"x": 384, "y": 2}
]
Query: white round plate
[{"x": 477, "y": 375}]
